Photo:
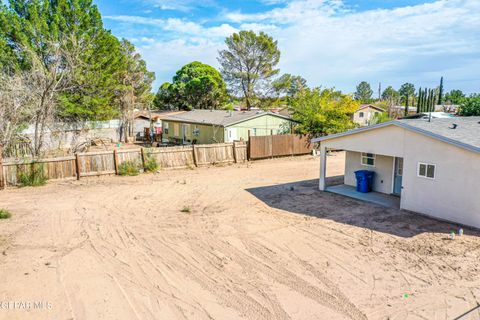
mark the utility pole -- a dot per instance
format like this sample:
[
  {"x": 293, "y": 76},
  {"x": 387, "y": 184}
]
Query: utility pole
[{"x": 379, "y": 90}]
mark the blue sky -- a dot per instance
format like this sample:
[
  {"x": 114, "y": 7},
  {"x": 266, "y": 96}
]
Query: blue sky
[{"x": 331, "y": 43}]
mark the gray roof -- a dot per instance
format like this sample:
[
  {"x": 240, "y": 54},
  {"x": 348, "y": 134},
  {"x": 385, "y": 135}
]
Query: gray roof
[
  {"x": 219, "y": 117},
  {"x": 466, "y": 134}
]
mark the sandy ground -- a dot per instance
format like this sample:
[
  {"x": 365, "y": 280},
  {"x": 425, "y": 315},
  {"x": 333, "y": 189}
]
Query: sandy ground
[{"x": 260, "y": 242}]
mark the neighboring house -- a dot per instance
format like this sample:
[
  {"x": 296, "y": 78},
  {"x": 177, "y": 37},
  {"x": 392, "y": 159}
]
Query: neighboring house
[
  {"x": 149, "y": 119},
  {"x": 434, "y": 167},
  {"x": 363, "y": 115},
  {"x": 216, "y": 126}
]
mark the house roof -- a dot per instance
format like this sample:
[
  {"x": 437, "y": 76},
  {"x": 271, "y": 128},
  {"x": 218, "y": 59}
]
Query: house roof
[
  {"x": 145, "y": 114},
  {"x": 219, "y": 117},
  {"x": 466, "y": 133},
  {"x": 364, "y": 106}
]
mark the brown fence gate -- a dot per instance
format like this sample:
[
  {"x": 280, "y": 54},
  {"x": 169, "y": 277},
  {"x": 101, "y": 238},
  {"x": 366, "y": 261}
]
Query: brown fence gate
[{"x": 261, "y": 147}]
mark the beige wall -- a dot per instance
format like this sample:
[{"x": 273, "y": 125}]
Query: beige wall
[
  {"x": 383, "y": 171},
  {"x": 368, "y": 114},
  {"x": 452, "y": 195}
]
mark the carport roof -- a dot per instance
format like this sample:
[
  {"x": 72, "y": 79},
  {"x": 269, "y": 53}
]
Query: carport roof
[{"x": 463, "y": 132}]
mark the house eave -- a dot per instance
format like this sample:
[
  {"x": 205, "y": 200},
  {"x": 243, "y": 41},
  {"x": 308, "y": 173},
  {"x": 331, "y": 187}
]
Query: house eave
[{"x": 404, "y": 126}]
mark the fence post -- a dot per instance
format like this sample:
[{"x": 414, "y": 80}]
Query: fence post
[
  {"x": 77, "y": 166},
  {"x": 292, "y": 136},
  {"x": 2, "y": 178},
  {"x": 115, "y": 160},
  {"x": 248, "y": 146},
  {"x": 195, "y": 160},
  {"x": 143, "y": 158},
  {"x": 234, "y": 152}
]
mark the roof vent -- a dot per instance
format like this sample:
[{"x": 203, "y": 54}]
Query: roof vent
[{"x": 454, "y": 126}]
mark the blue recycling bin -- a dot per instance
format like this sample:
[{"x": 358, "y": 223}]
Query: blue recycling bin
[{"x": 364, "y": 180}]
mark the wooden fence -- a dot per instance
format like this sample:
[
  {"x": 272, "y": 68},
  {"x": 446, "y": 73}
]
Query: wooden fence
[
  {"x": 107, "y": 162},
  {"x": 261, "y": 147}
]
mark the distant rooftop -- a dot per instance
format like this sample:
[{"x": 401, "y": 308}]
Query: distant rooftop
[{"x": 218, "y": 117}]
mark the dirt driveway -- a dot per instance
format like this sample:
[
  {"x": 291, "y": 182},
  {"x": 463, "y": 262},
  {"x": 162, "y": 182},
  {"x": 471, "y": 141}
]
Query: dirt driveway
[{"x": 254, "y": 241}]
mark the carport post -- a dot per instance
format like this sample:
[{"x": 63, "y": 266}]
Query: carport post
[{"x": 323, "y": 167}]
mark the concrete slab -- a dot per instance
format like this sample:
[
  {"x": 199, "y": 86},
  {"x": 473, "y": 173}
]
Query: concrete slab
[{"x": 382, "y": 199}]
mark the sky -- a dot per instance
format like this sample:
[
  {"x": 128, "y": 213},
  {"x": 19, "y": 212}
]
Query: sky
[{"x": 331, "y": 43}]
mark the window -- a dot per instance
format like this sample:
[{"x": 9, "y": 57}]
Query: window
[
  {"x": 426, "y": 170},
  {"x": 165, "y": 127},
  {"x": 368, "y": 159},
  {"x": 360, "y": 115},
  {"x": 196, "y": 132}
]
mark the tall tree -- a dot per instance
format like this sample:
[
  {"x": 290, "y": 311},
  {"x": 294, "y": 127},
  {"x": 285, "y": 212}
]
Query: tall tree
[
  {"x": 440, "y": 91},
  {"x": 289, "y": 85},
  {"x": 364, "y": 92},
  {"x": 249, "y": 63},
  {"x": 406, "y": 91},
  {"x": 134, "y": 91},
  {"x": 195, "y": 86},
  {"x": 64, "y": 47},
  {"x": 420, "y": 100}
]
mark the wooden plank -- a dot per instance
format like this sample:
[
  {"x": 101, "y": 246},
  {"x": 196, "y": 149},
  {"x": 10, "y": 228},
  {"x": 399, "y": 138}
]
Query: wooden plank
[
  {"x": 195, "y": 156},
  {"x": 30, "y": 161},
  {"x": 77, "y": 166},
  {"x": 115, "y": 161},
  {"x": 2, "y": 175},
  {"x": 97, "y": 173}
]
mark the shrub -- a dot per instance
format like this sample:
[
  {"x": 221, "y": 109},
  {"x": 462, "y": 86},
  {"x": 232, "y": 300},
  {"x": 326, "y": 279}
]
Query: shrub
[
  {"x": 128, "y": 168},
  {"x": 151, "y": 164},
  {"x": 34, "y": 177},
  {"x": 185, "y": 210},
  {"x": 5, "y": 214}
]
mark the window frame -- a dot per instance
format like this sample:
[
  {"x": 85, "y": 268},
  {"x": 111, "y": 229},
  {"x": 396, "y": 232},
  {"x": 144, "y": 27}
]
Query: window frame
[
  {"x": 361, "y": 114},
  {"x": 165, "y": 128},
  {"x": 365, "y": 155},
  {"x": 426, "y": 170}
]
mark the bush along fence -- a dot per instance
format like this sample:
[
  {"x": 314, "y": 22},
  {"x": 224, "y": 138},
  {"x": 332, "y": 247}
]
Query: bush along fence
[
  {"x": 120, "y": 162},
  {"x": 135, "y": 161}
]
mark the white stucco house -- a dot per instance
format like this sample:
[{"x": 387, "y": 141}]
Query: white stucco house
[{"x": 432, "y": 166}]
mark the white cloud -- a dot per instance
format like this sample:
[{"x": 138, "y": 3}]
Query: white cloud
[{"x": 329, "y": 45}]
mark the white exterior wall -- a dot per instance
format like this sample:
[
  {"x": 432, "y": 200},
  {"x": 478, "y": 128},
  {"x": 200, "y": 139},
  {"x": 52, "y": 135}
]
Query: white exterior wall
[
  {"x": 382, "y": 182},
  {"x": 452, "y": 195}
]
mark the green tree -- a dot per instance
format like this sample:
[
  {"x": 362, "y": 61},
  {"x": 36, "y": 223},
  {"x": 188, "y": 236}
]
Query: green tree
[
  {"x": 454, "y": 97},
  {"x": 390, "y": 95},
  {"x": 289, "y": 85},
  {"x": 470, "y": 106},
  {"x": 407, "y": 91},
  {"x": 91, "y": 55},
  {"x": 195, "y": 86},
  {"x": 320, "y": 112},
  {"x": 440, "y": 91},
  {"x": 249, "y": 63},
  {"x": 364, "y": 92},
  {"x": 134, "y": 91}
]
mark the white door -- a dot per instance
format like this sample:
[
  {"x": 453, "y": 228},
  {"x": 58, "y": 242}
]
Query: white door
[{"x": 231, "y": 134}]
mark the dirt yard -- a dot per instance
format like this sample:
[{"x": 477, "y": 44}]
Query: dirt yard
[{"x": 251, "y": 241}]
